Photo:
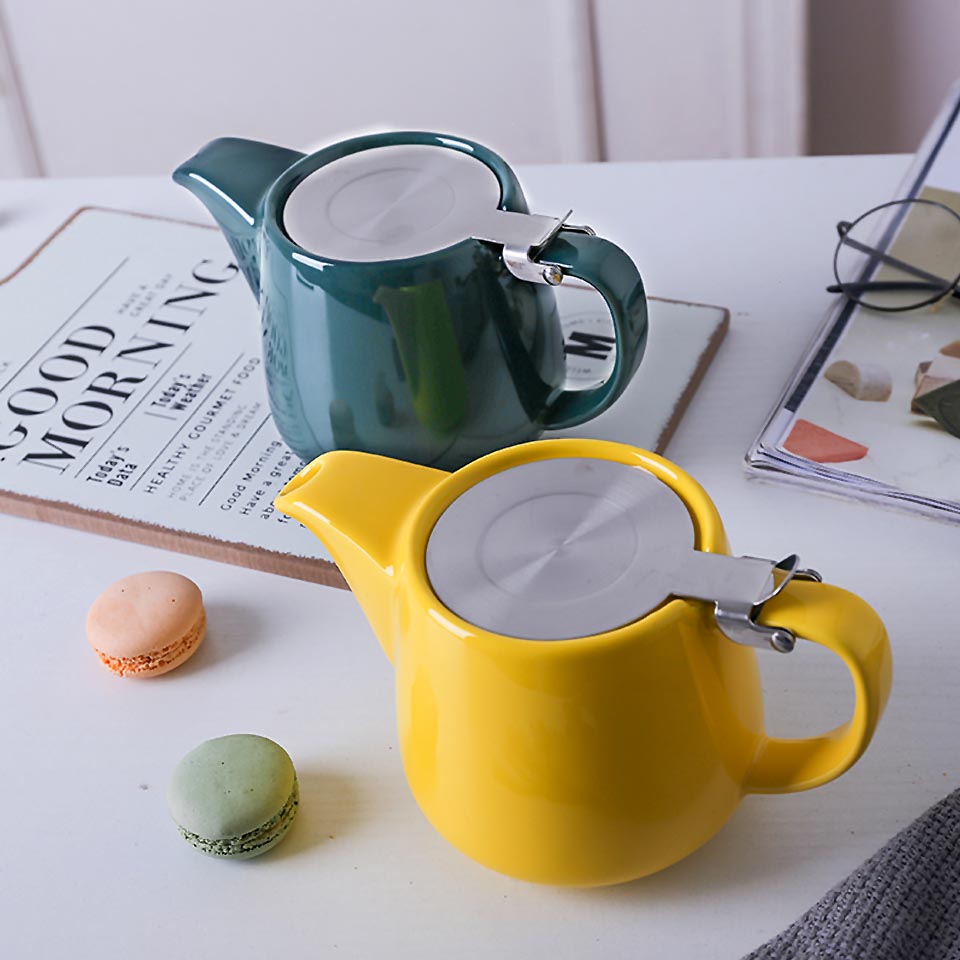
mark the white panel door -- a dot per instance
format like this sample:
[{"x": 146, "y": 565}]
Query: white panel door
[
  {"x": 11, "y": 159},
  {"x": 701, "y": 78},
  {"x": 118, "y": 87}
]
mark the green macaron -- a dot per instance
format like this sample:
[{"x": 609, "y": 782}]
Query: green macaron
[{"x": 234, "y": 797}]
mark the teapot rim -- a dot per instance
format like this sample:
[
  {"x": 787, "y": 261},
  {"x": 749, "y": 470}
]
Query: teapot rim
[
  {"x": 709, "y": 533},
  {"x": 511, "y": 194}
]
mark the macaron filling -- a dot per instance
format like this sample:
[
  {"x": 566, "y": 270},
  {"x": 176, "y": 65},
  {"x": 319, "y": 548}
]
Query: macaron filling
[
  {"x": 161, "y": 659},
  {"x": 255, "y": 841}
]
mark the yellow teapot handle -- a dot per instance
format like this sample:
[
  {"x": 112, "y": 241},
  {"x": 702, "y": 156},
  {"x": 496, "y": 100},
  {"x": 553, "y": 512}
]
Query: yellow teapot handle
[{"x": 847, "y": 625}]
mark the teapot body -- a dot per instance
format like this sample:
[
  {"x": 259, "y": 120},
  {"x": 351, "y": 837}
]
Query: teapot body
[
  {"x": 583, "y": 757},
  {"x": 579, "y": 762},
  {"x": 403, "y": 313},
  {"x": 585, "y": 761},
  {"x": 436, "y": 360}
]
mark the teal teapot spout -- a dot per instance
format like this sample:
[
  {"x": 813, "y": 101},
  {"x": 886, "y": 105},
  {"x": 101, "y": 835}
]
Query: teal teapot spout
[{"x": 231, "y": 177}]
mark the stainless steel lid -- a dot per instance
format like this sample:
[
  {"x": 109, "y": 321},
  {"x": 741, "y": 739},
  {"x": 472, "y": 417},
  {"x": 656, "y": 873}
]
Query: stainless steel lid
[
  {"x": 408, "y": 200},
  {"x": 389, "y": 203},
  {"x": 570, "y": 547}
]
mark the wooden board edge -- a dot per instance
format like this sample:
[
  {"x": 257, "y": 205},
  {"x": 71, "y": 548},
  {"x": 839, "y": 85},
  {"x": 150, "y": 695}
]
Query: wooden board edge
[
  {"x": 81, "y": 210},
  {"x": 700, "y": 371},
  {"x": 194, "y": 544}
]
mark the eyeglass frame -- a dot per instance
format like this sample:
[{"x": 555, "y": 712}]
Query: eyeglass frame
[{"x": 945, "y": 287}]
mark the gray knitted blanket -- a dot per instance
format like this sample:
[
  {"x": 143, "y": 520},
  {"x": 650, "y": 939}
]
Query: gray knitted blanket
[{"x": 902, "y": 904}]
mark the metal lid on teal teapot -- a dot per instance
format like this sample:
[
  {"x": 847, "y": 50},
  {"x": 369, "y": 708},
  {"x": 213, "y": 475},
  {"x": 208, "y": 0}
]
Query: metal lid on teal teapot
[
  {"x": 390, "y": 203},
  {"x": 574, "y": 546}
]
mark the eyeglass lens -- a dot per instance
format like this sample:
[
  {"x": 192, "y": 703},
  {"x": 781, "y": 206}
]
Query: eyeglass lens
[{"x": 900, "y": 256}]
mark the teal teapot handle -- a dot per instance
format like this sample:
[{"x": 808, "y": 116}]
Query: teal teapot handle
[{"x": 614, "y": 275}]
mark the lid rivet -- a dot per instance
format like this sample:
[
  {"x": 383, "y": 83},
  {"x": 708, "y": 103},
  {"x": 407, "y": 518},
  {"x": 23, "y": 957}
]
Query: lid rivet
[
  {"x": 553, "y": 275},
  {"x": 783, "y": 641}
]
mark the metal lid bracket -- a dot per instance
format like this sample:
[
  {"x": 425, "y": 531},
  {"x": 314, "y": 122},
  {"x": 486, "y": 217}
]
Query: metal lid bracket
[
  {"x": 739, "y": 587},
  {"x": 523, "y": 237}
]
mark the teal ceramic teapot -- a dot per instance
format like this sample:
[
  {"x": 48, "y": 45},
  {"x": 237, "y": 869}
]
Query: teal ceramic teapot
[{"x": 405, "y": 294}]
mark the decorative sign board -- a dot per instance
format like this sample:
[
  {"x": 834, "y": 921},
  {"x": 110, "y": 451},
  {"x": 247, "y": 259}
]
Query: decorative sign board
[{"x": 132, "y": 400}]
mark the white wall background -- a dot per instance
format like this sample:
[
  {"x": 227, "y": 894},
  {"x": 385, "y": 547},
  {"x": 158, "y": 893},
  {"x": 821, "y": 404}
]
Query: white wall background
[
  {"x": 130, "y": 86},
  {"x": 127, "y": 86}
]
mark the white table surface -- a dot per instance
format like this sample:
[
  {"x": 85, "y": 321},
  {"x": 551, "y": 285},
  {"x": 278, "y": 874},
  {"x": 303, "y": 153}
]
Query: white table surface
[{"x": 90, "y": 859}]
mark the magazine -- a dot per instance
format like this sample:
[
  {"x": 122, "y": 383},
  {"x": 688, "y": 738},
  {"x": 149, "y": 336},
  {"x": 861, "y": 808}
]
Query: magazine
[{"x": 867, "y": 412}]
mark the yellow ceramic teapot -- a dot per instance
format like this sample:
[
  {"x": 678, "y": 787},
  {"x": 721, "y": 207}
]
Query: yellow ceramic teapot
[{"x": 578, "y": 699}]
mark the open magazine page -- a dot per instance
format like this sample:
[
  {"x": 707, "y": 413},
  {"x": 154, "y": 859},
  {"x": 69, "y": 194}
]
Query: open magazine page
[{"x": 869, "y": 411}]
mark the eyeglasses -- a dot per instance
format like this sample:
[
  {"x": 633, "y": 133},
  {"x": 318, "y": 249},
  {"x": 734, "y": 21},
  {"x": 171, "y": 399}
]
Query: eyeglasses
[{"x": 899, "y": 256}]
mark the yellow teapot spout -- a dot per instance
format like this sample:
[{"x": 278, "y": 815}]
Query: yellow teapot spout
[{"x": 356, "y": 504}]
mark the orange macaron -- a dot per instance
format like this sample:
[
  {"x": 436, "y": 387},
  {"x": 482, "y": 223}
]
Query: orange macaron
[{"x": 147, "y": 624}]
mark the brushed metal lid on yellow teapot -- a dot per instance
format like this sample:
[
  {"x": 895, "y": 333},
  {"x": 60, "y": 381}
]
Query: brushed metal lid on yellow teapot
[{"x": 578, "y": 698}]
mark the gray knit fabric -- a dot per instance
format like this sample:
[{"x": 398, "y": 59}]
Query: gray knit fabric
[{"x": 902, "y": 904}]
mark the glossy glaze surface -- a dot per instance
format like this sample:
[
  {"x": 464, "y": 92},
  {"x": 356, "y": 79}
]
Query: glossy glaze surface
[
  {"x": 587, "y": 761},
  {"x": 437, "y": 359}
]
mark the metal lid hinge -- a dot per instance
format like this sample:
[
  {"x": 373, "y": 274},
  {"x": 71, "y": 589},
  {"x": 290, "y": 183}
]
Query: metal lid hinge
[
  {"x": 523, "y": 237},
  {"x": 738, "y": 588}
]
